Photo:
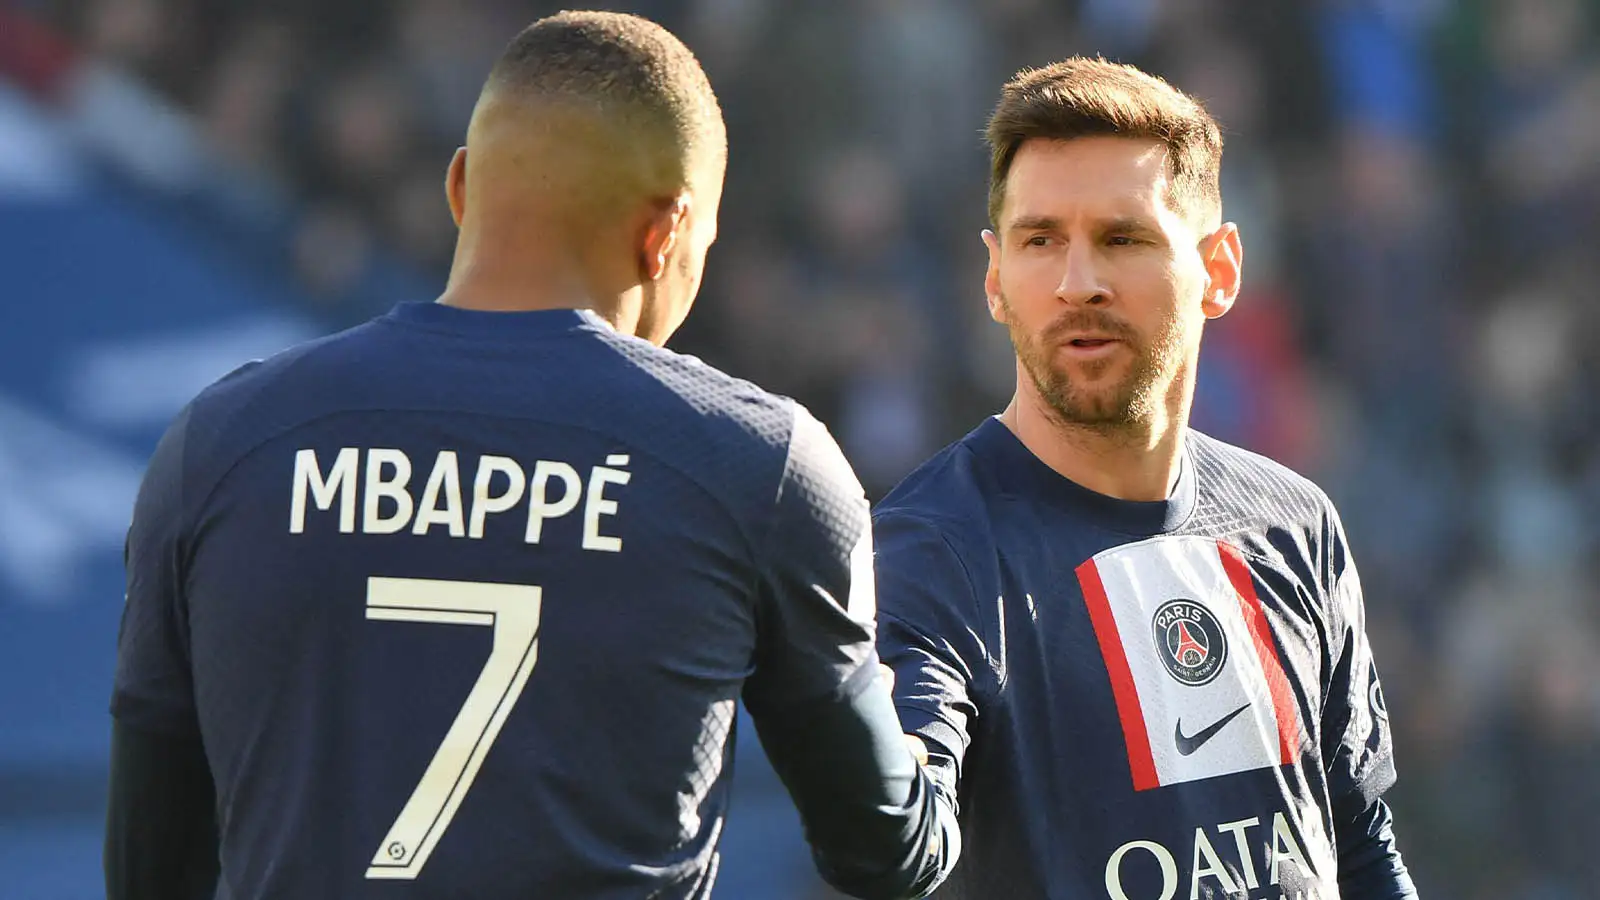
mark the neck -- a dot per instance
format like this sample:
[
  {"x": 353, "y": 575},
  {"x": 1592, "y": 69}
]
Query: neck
[
  {"x": 1138, "y": 462},
  {"x": 521, "y": 275}
]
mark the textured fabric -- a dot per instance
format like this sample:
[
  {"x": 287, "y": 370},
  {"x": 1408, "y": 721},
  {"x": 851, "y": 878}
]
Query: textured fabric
[
  {"x": 462, "y": 604},
  {"x": 1132, "y": 700}
]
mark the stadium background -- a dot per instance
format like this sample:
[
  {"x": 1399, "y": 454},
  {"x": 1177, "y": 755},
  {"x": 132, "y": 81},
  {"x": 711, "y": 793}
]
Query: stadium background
[{"x": 185, "y": 184}]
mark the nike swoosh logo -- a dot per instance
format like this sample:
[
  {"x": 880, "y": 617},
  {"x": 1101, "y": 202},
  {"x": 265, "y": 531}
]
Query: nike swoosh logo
[{"x": 1188, "y": 745}]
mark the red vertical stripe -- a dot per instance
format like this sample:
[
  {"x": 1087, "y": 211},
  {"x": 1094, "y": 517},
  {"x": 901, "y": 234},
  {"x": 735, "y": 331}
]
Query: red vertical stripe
[
  {"x": 1140, "y": 761},
  {"x": 1255, "y": 618}
]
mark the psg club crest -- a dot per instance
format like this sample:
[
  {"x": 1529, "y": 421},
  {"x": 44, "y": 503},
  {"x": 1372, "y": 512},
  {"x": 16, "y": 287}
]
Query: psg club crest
[{"x": 1190, "y": 642}]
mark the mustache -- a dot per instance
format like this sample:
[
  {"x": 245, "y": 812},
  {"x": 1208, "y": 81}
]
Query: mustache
[{"x": 1095, "y": 320}]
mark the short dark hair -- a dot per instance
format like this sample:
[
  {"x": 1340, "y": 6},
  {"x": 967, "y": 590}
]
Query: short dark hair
[
  {"x": 1082, "y": 97},
  {"x": 622, "y": 66}
]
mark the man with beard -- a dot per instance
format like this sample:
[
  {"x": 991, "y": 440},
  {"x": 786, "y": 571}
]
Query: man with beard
[{"x": 1136, "y": 654}]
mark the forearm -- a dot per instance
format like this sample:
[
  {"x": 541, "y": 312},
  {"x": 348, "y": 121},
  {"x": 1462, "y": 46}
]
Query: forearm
[
  {"x": 870, "y": 813},
  {"x": 1370, "y": 867},
  {"x": 161, "y": 837}
]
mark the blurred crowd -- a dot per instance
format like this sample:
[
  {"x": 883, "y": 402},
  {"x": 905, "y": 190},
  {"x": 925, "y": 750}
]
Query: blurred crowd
[{"x": 1418, "y": 186}]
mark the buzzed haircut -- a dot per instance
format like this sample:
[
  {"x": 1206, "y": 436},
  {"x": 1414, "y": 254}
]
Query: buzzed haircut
[
  {"x": 627, "y": 70},
  {"x": 1082, "y": 97}
]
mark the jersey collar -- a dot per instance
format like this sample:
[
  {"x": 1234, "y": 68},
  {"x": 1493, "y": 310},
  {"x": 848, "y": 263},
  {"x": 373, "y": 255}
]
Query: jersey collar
[
  {"x": 1022, "y": 474},
  {"x": 477, "y": 322}
]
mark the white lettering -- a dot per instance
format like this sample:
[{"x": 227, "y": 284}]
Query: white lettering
[
  {"x": 539, "y": 507},
  {"x": 598, "y": 506},
  {"x": 377, "y": 488},
  {"x": 1213, "y": 866},
  {"x": 499, "y": 485},
  {"x": 340, "y": 480},
  {"x": 446, "y": 474},
  {"x": 1169, "y": 869},
  {"x": 482, "y": 503},
  {"x": 1245, "y": 859},
  {"x": 1285, "y": 847}
]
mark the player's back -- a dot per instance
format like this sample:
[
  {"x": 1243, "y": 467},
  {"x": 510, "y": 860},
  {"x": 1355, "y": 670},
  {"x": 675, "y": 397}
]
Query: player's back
[{"x": 469, "y": 607}]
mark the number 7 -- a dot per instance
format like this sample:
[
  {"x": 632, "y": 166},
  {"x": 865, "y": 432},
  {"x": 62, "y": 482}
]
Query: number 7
[{"x": 512, "y": 610}]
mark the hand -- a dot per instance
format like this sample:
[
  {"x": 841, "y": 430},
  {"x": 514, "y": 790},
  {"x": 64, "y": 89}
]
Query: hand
[{"x": 919, "y": 750}]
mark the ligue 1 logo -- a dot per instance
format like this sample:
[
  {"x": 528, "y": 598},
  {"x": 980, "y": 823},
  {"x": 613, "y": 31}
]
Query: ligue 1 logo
[{"x": 1190, "y": 642}]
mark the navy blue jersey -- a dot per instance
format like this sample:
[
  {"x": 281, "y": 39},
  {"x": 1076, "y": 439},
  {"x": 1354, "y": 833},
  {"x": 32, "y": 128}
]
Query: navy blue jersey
[
  {"x": 461, "y": 604},
  {"x": 1134, "y": 700}
]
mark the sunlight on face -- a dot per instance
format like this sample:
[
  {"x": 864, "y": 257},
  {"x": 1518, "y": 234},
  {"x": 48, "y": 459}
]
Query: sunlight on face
[
  {"x": 1098, "y": 280},
  {"x": 672, "y": 296}
]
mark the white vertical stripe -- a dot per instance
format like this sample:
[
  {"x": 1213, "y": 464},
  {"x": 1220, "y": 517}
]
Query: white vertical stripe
[{"x": 1138, "y": 579}]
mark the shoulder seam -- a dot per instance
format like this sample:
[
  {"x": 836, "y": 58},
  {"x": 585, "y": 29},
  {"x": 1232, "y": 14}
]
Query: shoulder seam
[
  {"x": 759, "y": 547},
  {"x": 1000, "y": 677}
]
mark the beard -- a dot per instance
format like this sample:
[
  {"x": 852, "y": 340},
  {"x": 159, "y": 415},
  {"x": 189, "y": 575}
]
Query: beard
[{"x": 1087, "y": 394}]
